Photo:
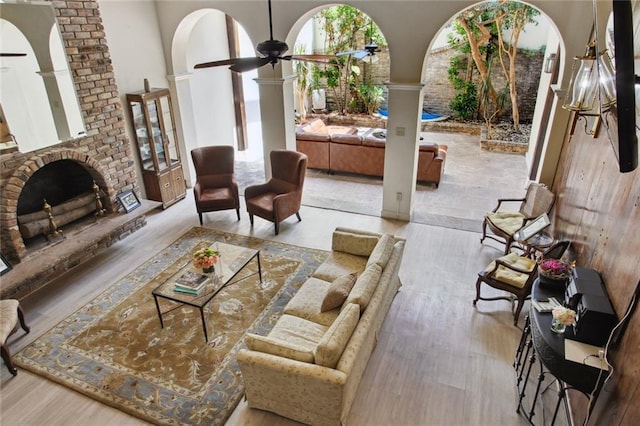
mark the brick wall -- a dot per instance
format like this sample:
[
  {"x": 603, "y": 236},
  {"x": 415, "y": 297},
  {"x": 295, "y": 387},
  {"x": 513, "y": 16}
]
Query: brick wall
[
  {"x": 105, "y": 151},
  {"x": 438, "y": 91}
]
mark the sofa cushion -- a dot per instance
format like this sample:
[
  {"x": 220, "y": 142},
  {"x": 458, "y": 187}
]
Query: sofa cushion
[
  {"x": 307, "y": 303},
  {"x": 364, "y": 287},
  {"x": 316, "y": 137},
  {"x": 345, "y": 138},
  {"x": 338, "y": 291},
  {"x": 298, "y": 332},
  {"x": 339, "y": 264},
  {"x": 332, "y": 344},
  {"x": 304, "y": 353},
  {"x": 358, "y": 244},
  {"x": 382, "y": 251}
]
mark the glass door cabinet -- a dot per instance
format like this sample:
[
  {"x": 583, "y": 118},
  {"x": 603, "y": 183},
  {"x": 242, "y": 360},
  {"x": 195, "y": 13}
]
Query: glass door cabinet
[{"x": 155, "y": 133}]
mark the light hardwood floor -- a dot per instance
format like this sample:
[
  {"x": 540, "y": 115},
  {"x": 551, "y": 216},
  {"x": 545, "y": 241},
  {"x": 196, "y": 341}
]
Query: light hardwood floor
[{"x": 438, "y": 361}]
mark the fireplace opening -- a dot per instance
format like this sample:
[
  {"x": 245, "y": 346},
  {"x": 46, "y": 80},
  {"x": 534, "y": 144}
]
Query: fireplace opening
[{"x": 57, "y": 194}]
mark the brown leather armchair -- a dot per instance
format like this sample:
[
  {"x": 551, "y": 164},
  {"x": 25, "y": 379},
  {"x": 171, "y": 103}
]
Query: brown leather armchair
[
  {"x": 216, "y": 187},
  {"x": 281, "y": 196}
]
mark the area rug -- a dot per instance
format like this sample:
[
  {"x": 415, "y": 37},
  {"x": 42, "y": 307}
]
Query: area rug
[{"x": 114, "y": 350}]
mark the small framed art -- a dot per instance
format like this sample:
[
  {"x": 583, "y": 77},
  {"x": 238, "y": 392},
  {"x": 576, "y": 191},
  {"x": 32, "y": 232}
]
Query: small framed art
[
  {"x": 129, "y": 200},
  {"x": 5, "y": 266}
]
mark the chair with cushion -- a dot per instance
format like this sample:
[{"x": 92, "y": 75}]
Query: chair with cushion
[
  {"x": 515, "y": 274},
  {"x": 504, "y": 223},
  {"x": 281, "y": 196},
  {"x": 10, "y": 314},
  {"x": 216, "y": 188}
]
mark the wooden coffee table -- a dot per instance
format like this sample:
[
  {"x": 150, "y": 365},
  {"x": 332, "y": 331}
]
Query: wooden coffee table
[{"x": 232, "y": 261}]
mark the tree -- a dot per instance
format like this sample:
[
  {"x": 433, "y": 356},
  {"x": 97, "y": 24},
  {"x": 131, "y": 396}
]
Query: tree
[
  {"x": 345, "y": 27},
  {"x": 512, "y": 16},
  {"x": 484, "y": 27}
]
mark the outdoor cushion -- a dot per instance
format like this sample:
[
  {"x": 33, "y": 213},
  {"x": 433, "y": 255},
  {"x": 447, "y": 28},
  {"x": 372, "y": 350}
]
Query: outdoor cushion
[
  {"x": 382, "y": 251},
  {"x": 510, "y": 276},
  {"x": 361, "y": 245},
  {"x": 308, "y": 301},
  {"x": 332, "y": 344},
  {"x": 338, "y": 291},
  {"x": 509, "y": 222},
  {"x": 364, "y": 287}
]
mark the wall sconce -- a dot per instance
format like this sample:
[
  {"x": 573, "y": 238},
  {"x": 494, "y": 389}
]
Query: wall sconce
[
  {"x": 550, "y": 63},
  {"x": 591, "y": 79}
]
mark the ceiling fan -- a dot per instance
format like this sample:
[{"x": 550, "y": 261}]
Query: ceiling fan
[
  {"x": 368, "y": 54},
  {"x": 270, "y": 52}
]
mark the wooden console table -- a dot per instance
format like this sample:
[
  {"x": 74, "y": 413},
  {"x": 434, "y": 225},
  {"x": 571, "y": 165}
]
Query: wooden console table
[{"x": 539, "y": 344}]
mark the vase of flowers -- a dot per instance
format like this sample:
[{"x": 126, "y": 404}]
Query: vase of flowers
[
  {"x": 206, "y": 259},
  {"x": 554, "y": 274},
  {"x": 562, "y": 317}
]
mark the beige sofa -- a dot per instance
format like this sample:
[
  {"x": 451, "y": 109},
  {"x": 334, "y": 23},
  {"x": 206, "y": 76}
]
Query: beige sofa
[{"x": 310, "y": 364}]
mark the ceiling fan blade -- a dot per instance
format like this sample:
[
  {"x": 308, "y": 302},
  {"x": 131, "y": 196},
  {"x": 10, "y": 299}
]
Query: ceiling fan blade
[
  {"x": 315, "y": 61},
  {"x": 308, "y": 57},
  {"x": 218, "y": 63},
  {"x": 348, "y": 52},
  {"x": 248, "y": 64},
  {"x": 9, "y": 54}
]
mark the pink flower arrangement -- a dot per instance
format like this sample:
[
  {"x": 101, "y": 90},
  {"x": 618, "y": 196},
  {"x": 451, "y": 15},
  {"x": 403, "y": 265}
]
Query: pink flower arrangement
[
  {"x": 564, "y": 315},
  {"x": 205, "y": 258},
  {"x": 554, "y": 268}
]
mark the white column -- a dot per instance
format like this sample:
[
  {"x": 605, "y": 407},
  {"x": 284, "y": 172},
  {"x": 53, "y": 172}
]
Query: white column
[
  {"x": 277, "y": 115},
  {"x": 187, "y": 133},
  {"x": 56, "y": 102},
  {"x": 401, "y": 150}
]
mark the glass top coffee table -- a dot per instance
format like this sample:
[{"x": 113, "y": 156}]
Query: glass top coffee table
[{"x": 232, "y": 261}]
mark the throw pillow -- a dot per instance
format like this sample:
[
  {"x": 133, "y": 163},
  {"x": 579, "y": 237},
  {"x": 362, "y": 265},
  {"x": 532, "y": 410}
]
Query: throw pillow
[
  {"x": 334, "y": 341},
  {"x": 358, "y": 244},
  {"x": 382, "y": 251},
  {"x": 365, "y": 286},
  {"x": 338, "y": 291}
]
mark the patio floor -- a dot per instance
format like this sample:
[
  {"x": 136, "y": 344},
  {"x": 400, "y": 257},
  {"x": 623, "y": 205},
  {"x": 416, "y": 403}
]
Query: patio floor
[{"x": 473, "y": 180}]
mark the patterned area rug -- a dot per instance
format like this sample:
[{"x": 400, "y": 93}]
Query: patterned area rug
[{"x": 114, "y": 350}]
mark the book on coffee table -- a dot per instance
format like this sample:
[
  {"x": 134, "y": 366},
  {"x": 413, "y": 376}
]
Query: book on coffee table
[{"x": 190, "y": 282}]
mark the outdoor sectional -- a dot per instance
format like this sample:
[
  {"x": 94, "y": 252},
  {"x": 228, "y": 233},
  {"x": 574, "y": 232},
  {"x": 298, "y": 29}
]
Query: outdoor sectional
[
  {"x": 345, "y": 149},
  {"x": 310, "y": 364}
]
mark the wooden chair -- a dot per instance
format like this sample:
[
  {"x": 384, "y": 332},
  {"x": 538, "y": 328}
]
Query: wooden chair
[
  {"x": 10, "y": 314},
  {"x": 216, "y": 188},
  {"x": 515, "y": 274},
  {"x": 504, "y": 223},
  {"x": 281, "y": 196}
]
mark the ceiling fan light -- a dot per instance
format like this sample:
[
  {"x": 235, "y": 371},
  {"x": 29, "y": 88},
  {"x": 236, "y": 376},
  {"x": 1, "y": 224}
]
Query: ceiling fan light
[{"x": 371, "y": 59}]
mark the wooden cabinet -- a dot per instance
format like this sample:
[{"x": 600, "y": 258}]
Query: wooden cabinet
[{"x": 155, "y": 133}]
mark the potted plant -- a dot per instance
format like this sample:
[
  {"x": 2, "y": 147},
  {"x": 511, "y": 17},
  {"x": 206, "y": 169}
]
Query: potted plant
[
  {"x": 206, "y": 259},
  {"x": 554, "y": 274}
]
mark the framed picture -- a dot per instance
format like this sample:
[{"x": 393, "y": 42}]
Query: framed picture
[
  {"x": 5, "y": 266},
  {"x": 129, "y": 200}
]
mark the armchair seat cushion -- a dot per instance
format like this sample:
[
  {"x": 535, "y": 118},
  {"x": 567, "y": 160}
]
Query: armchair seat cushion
[
  {"x": 215, "y": 197},
  {"x": 508, "y": 222},
  {"x": 509, "y": 276},
  {"x": 262, "y": 204}
]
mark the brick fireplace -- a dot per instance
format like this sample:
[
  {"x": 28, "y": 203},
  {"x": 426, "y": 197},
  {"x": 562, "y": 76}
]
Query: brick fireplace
[{"x": 105, "y": 153}]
